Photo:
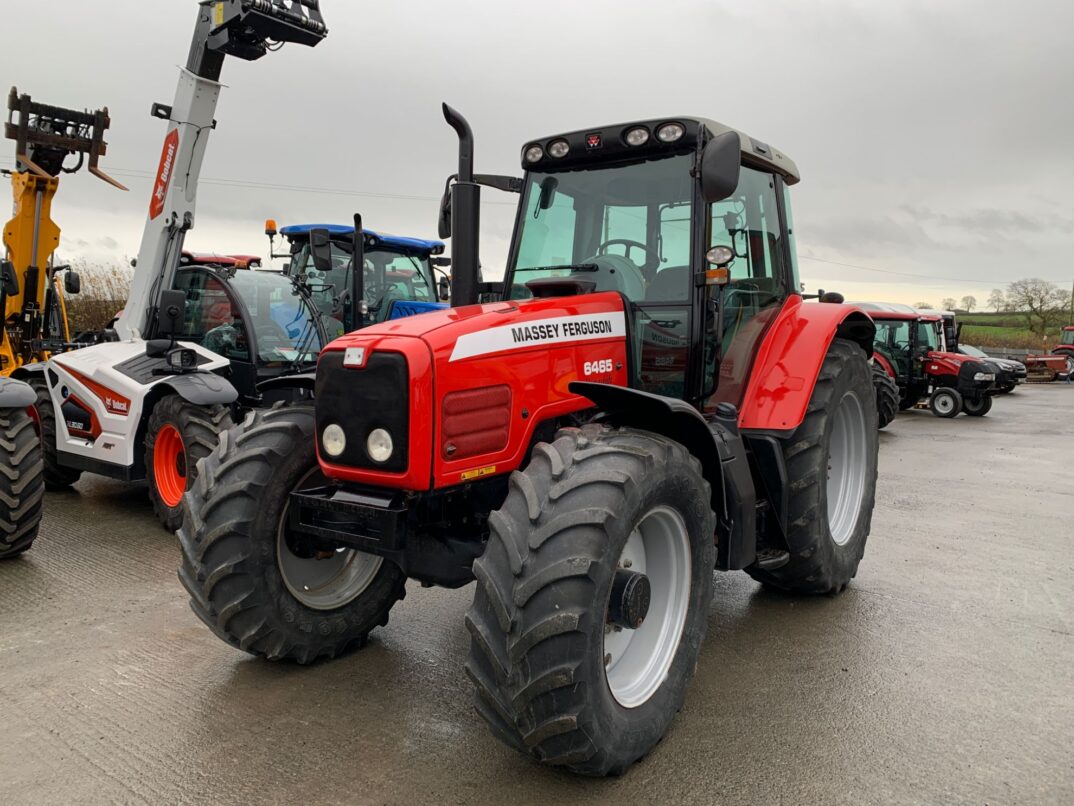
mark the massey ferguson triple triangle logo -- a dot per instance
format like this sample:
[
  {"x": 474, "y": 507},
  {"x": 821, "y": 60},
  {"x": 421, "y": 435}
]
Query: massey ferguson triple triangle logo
[{"x": 164, "y": 174}]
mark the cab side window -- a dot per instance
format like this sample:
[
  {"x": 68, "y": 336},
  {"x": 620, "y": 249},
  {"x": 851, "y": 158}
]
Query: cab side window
[{"x": 210, "y": 317}]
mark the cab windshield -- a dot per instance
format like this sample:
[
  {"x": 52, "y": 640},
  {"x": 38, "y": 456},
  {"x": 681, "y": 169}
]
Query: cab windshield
[{"x": 1066, "y": 337}]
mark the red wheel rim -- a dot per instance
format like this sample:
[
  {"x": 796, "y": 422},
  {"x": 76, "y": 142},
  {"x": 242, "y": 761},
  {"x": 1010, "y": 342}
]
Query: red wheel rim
[
  {"x": 32, "y": 411},
  {"x": 169, "y": 465}
]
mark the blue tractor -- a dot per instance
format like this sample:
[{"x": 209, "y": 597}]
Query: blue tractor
[{"x": 398, "y": 276}]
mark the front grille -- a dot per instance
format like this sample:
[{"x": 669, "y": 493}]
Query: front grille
[{"x": 361, "y": 400}]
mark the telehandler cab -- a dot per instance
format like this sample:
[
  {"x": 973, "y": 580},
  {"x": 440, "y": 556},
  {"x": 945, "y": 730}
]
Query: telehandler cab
[
  {"x": 150, "y": 400},
  {"x": 22, "y": 481},
  {"x": 650, "y": 400}
]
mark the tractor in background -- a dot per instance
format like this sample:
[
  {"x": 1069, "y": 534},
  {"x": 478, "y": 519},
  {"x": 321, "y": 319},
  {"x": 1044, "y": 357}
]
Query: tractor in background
[
  {"x": 910, "y": 348},
  {"x": 649, "y": 400}
]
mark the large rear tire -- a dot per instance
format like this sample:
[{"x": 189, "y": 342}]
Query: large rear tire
[
  {"x": 178, "y": 436},
  {"x": 831, "y": 472},
  {"x": 887, "y": 396},
  {"x": 57, "y": 477},
  {"x": 22, "y": 482},
  {"x": 553, "y": 677},
  {"x": 248, "y": 578}
]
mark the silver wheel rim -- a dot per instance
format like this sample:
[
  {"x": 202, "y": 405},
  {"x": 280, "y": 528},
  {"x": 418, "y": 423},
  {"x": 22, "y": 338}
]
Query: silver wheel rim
[
  {"x": 637, "y": 662},
  {"x": 944, "y": 403},
  {"x": 846, "y": 469},
  {"x": 329, "y": 582}
]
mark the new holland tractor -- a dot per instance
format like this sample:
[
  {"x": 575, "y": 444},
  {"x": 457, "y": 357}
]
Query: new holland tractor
[
  {"x": 911, "y": 348},
  {"x": 194, "y": 342},
  {"x": 22, "y": 482},
  {"x": 649, "y": 401}
]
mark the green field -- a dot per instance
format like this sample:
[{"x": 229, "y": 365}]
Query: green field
[{"x": 1001, "y": 330}]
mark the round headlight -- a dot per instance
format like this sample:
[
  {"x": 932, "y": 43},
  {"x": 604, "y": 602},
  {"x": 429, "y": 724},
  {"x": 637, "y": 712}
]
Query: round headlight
[
  {"x": 558, "y": 148},
  {"x": 534, "y": 154},
  {"x": 334, "y": 440},
  {"x": 637, "y": 136},
  {"x": 670, "y": 132},
  {"x": 379, "y": 445},
  {"x": 720, "y": 255}
]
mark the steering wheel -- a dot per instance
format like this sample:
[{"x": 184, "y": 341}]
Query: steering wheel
[{"x": 629, "y": 244}]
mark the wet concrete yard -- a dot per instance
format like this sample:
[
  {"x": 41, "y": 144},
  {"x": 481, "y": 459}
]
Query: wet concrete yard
[{"x": 944, "y": 675}]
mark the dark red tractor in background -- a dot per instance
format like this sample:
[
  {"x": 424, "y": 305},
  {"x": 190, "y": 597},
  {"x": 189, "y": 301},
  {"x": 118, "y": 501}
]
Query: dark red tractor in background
[
  {"x": 649, "y": 400},
  {"x": 910, "y": 349}
]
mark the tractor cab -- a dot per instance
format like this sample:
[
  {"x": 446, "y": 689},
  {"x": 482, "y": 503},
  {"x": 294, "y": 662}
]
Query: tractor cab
[
  {"x": 1066, "y": 338},
  {"x": 703, "y": 261},
  {"x": 263, "y": 322},
  {"x": 397, "y": 279}
]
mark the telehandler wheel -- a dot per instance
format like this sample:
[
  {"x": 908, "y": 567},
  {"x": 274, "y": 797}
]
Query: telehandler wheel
[
  {"x": 57, "y": 477},
  {"x": 977, "y": 408},
  {"x": 831, "y": 472},
  {"x": 592, "y": 598},
  {"x": 178, "y": 435},
  {"x": 253, "y": 582},
  {"x": 22, "y": 482},
  {"x": 887, "y": 396},
  {"x": 946, "y": 402}
]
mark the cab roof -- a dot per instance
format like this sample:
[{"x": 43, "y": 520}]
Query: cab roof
[
  {"x": 298, "y": 231},
  {"x": 895, "y": 310}
]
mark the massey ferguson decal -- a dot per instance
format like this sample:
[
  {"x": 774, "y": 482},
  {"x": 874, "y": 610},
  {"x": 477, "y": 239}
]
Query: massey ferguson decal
[
  {"x": 164, "y": 173},
  {"x": 557, "y": 330}
]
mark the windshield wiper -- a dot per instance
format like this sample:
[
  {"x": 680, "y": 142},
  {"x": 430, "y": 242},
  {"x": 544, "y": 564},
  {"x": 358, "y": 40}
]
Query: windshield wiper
[{"x": 564, "y": 267}]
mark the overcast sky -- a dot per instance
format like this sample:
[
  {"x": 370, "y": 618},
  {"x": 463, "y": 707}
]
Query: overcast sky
[{"x": 933, "y": 136}]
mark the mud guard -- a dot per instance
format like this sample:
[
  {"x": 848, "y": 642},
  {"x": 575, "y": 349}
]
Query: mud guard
[
  {"x": 717, "y": 445},
  {"x": 16, "y": 394},
  {"x": 202, "y": 388},
  {"x": 788, "y": 362}
]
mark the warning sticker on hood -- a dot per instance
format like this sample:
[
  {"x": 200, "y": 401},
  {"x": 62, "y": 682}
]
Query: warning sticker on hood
[{"x": 556, "y": 330}]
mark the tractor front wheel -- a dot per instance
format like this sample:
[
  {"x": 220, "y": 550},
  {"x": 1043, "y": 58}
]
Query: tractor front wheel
[
  {"x": 22, "y": 482},
  {"x": 946, "y": 402},
  {"x": 831, "y": 472},
  {"x": 179, "y": 434},
  {"x": 57, "y": 477},
  {"x": 979, "y": 407},
  {"x": 887, "y": 396},
  {"x": 592, "y": 598},
  {"x": 257, "y": 585}
]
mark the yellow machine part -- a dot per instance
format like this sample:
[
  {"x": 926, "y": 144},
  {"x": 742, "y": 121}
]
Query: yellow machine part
[{"x": 19, "y": 240}]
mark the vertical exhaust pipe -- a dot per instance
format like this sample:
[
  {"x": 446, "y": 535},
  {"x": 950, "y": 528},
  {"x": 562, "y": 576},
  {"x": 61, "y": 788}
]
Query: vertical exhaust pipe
[{"x": 465, "y": 217}]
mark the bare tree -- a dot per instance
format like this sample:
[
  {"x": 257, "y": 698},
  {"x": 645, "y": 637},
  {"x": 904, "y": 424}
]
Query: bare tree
[
  {"x": 922, "y": 304},
  {"x": 948, "y": 303},
  {"x": 997, "y": 300},
  {"x": 969, "y": 302},
  {"x": 1041, "y": 304}
]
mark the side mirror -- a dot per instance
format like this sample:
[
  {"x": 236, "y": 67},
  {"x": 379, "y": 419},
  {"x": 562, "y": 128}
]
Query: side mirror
[
  {"x": 721, "y": 163},
  {"x": 170, "y": 314},
  {"x": 443, "y": 227},
  {"x": 443, "y": 289},
  {"x": 440, "y": 262},
  {"x": 157, "y": 348},
  {"x": 72, "y": 283},
  {"x": 9, "y": 281},
  {"x": 321, "y": 249},
  {"x": 548, "y": 192}
]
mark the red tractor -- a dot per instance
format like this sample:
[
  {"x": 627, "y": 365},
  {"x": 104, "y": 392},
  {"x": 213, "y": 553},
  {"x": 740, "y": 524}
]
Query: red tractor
[
  {"x": 910, "y": 349},
  {"x": 650, "y": 400}
]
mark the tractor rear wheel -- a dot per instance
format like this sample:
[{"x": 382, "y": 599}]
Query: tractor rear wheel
[
  {"x": 979, "y": 407},
  {"x": 179, "y": 434},
  {"x": 57, "y": 477},
  {"x": 831, "y": 472},
  {"x": 250, "y": 579},
  {"x": 22, "y": 482},
  {"x": 887, "y": 396},
  {"x": 946, "y": 402},
  {"x": 592, "y": 598}
]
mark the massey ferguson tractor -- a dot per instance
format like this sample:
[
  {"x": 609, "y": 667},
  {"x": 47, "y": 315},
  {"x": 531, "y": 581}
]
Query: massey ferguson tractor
[
  {"x": 22, "y": 481},
  {"x": 910, "y": 348},
  {"x": 150, "y": 400},
  {"x": 650, "y": 401}
]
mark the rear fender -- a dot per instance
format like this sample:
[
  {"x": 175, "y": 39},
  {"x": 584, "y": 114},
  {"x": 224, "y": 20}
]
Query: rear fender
[
  {"x": 199, "y": 388},
  {"x": 716, "y": 445},
  {"x": 15, "y": 394},
  {"x": 789, "y": 361},
  {"x": 885, "y": 365}
]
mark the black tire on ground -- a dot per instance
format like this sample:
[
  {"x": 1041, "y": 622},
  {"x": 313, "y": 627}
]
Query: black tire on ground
[
  {"x": 831, "y": 535},
  {"x": 231, "y": 554},
  {"x": 57, "y": 477},
  {"x": 977, "y": 408},
  {"x": 946, "y": 402},
  {"x": 199, "y": 428},
  {"x": 22, "y": 482},
  {"x": 538, "y": 620},
  {"x": 887, "y": 396}
]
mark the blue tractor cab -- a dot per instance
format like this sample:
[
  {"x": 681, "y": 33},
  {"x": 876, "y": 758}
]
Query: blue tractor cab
[{"x": 398, "y": 275}]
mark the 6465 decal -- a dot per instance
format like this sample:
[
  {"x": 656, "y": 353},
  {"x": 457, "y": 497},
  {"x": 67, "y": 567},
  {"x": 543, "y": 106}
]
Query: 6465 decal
[{"x": 601, "y": 367}]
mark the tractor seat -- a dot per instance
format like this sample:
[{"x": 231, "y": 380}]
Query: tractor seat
[{"x": 670, "y": 285}]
